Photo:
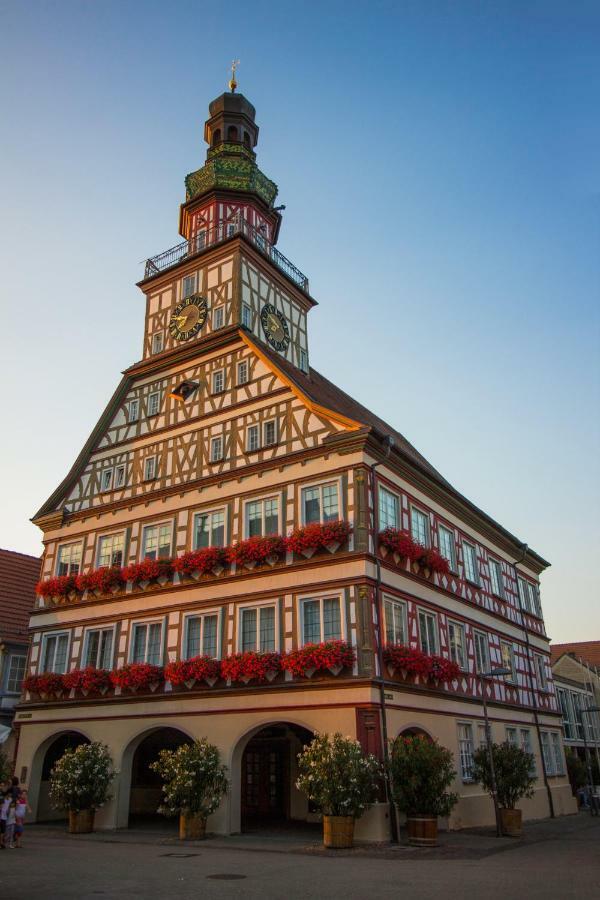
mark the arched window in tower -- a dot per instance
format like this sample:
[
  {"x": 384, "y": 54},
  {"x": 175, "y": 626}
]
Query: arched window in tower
[
  {"x": 232, "y": 133},
  {"x": 246, "y": 140},
  {"x": 216, "y": 137}
]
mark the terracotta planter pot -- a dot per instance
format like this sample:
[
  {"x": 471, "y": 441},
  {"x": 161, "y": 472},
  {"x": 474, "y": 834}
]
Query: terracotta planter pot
[
  {"x": 191, "y": 827},
  {"x": 338, "y": 832},
  {"x": 82, "y": 821},
  {"x": 422, "y": 830},
  {"x": 512, "y": 822}
]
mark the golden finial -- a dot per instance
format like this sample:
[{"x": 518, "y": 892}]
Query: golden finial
[{"x": 232, "y": 82}]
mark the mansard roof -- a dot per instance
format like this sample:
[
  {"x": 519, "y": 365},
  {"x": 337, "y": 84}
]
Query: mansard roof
[{"x": 19, "y": 574}]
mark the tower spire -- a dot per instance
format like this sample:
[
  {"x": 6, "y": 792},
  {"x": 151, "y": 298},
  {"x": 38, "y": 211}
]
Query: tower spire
[{"x": 232, "y": 82}]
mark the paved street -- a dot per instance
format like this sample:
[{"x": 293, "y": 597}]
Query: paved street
[{"x": 556, "y": 859}]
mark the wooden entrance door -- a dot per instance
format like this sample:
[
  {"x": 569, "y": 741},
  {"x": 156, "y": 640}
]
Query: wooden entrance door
[{"x": 264, "y": 780}]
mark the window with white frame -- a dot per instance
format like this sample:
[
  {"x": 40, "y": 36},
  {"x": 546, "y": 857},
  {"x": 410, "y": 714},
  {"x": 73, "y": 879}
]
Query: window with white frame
[
  {"x": 419, "y": 526},
  {"x": 428, "y": 632},
  {"x": 157, "y": 342},
  {"x": 188, "y": 286},
  {"x": 577, "y": 701},
  {"x": 201, "y": 635},
  {"x": 98, "y": 649},
  {"x": 218, "y": 317},
  {"x": 534, "y": 599},
  {"x": 540, "y": 671},
  {"x": 246, "y": 316},
  {"x": 508, "y": 660},
  {"x": 447, "y": 547},
  {"x": 68, "y": 560},
  {"x": 110, "y": 549},
  {"x": 200, "y": 239},
  {"x": 511, "y": 737},
  {"x": 242, "y": 372},
  {"x": 482, "y": 651},
  {"x": 389, "y": 509},
  {"x": 457, "y": 643},
  {"x": 16, "y": 672},
  {"x": 481, "y": 737},
  {"x": 54, "y": 652},
  {"x": 525, "y": 736},
  {"x": 270, "y": 433},
  {"x": 496, "y": 577},
  {"x": 154, "y": 403},
  {"x": 523, "y": 594},
  {"x": 216, "y": 449},
  {"x": 218, "y": 381},
  {"x": 257, "y": 628},
  {"x": 209, "y": 529},
  {"x": 262, "y": 517},
  {"x": 465, "y": 750},
  {"x": 547, "y": 752},
  {"x": 394, "y": 613},
  {"x": 252, "y": 438},
  {"x": 559, "y": 767},
  {"x": 156, "y": 541},
  {"x": 321, "y": 620},
  {"x": 106, "y": 477},
  {"x": 304, "y": 361},
  {"x": 150, "y": 468},
  {"x": 120, "y": 472},
  {"x": 320, "y": 503},
  {"x": 470, "y": 561},
  {"x": 146, "y": 643},
  {"x": 567, "y": 713},
  {"x": 134, "y": 410}
]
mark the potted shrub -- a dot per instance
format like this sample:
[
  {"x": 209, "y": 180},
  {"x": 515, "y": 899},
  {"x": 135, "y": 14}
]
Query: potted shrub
[
  {"x": 80, "y": 782},
  {"x": 341, "y": 781},
  {"x": 421, "y": 773},
  {"x": 194, "y": 782},
  {"x": 513, "y": 768}
]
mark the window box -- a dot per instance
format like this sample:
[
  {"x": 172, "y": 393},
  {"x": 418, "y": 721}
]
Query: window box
[
  {"x": 190, "y": 671},
  {"x": 46, "y": 685},
  {"x": 105, "y": 580},
  {"x": 88, "y": 681},
  {"x": 207, "y": 561},
  {"x": 332, "y": 656},
  {"x": 58, "y": 588},
  {"x": 144, "y": 573},
  {"x": 251, "y": 665},
  {"x": 329, "y": 536},
  {"x": 138, "y": 677},
  {"x": 412, "y": 661},
  {"x": 405, "y": 549},
  {"x": 257, "y": 550}
]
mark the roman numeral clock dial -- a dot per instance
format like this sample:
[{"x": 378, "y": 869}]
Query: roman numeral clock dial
[
  {"x": 275, "y": 327},
  {"x": 188, "y": 317}
]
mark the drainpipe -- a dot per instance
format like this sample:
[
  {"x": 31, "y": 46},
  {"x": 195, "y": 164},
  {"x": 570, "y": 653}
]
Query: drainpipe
[{"x": 536, "y": 720}]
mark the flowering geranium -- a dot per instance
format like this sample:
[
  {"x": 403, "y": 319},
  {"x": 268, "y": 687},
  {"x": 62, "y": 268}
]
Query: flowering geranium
[
  {"x": 443, "y": 669},
  {"x": 103, "y": 579},
  {"x": 56, "y": 587},
  {"x": 256, "y": 550},
  {"x": 195, "y": 669},
  {"x": 93, "y": 681},
  {"x": 337, "y": 777},
  {"x": 136, "y": 676},
  {"x": 318, "y": 537},
  {"x": 194, "y": 780},
  {"x": 204, "y": 561},
  {"x": 45, "y": 683},
  {"x": 81, "y": 778},
  {"x": 320, "y": 657},
  {"x": 434, "y": 560},
  {"x": 148, "y": 570},
  {"x": 401, "y": 543},
  {"x": 250, "y": 665},
  {"x": 414, "y": 662}
]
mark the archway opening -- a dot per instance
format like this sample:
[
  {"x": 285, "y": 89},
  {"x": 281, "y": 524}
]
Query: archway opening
[
  {"x": 68, "y": 740},
  {"x": 415, "y": 731},
  {"x": 145, "y": 793}
]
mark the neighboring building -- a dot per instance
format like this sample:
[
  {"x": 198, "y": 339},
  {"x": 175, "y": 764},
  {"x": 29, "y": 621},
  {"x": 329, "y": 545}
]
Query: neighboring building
[
  {"x": 576, "y": 672},
  {"x": 224, "y": 431},
  {"x": 19, "y": 574}
]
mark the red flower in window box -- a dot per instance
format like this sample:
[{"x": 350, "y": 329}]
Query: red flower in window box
[
  {"x": 313, "y": 537},
  {"x": 205, "y": 561},
  {"x": 251, "y": 666},
  {"x": 45, "y": 683},
  {"x": 413, "y": 661},
  {"x": 56, "y": 587},
  {"x": 443, "y": 670},
  {"x": 148, "y": 570},
  {"x": 88, "y": 680},
  {"x": 105, "y": 580},
  {"x": 138, "y": 676},
  {"x": 187, "y": 671},
  {"x": 329, "y": 655},
  {"x": 257, "y": 550},
  {"x": 431, "y": 559},
  {"x": 399, "y": 542}
]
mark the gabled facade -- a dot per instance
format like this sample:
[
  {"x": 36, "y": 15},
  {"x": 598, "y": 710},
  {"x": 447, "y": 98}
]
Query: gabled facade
[
  {"x": 224, "y": 432},
  {"x": 577, "y": 680}
]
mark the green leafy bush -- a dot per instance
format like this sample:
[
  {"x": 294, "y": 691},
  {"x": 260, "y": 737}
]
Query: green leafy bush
[
  {"x": 81, "y": 778},
  {"x": 421, "y": 773},
  {"x": 513, "y": 768},
  {"x": 194, "y": 780},
  {"x": 337, "y": 777}
]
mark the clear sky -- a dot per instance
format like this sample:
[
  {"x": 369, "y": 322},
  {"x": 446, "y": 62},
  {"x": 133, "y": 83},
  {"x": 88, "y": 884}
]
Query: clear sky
[{"x": 439, "y": 164}]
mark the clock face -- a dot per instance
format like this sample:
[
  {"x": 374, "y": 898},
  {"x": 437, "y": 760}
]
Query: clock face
[
  {"x": 275, "y": 327},
  {"x": 188, "y": 317}
]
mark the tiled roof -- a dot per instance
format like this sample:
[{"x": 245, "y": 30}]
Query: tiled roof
[
  {"x": 588, "y": 651},
  {"x": 19, "y": 574}
]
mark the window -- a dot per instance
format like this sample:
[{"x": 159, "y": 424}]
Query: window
[
  {"x": 257, "y": 629},
  {"x": 16, "y": 673},
  {"x": 110, "y": 549},
  {"x": 218, "y": 317},
  {"x": 457, "y": 644},
  {"x": 496, "y": 577},
  {"x": 304, "y": 361},
  {"x": 200, "y": 237},
  {"x": 216, "y": 449},
  {"x": 559, "y": 768},
  {"x": 188, "y": 286},
  {"x": 262, "y": 517},
  {"x": 508, "y": 660},
  {"x": 246, "y": 316},
  {"x": 157, "y": 342},
  {"x": 526, "y": 746},
  {"x": 150, "y": 468},
  {"x": 320, "y": 503},
  {"x": 252, "y": 438},
  {"x": 540, "y": 671},
  {"x": 482, "y": 651},
  {"x": 523, "y": 594},
  {"x": 511, "y": 736},
  {"x": 394, "y": 612},
  {"x": 567, "y": 713},
  {"x": 54, "y": 652},
  {"x": 270, "y": 433},
  {"x": 534, "y": 599},
  {"x": 147, "y": 643},
  {"x": 482, "y": 736},
  {"x": 120, "y": 476},
  {"x": 577, "y": 701},
  {"x": 99, "y": 648},
  {"x": 156, "y": 541},
  {"x": 465, "y": 748},
  {"x": 419, "y": 526},
  {"x": 321, "y": 620},
  {"x": 546, "y": 754},
  {"x": 470, "y": 560},
  {"x": 201, "y": 635},
  {"x": 134, "y": 410},
  {"x": 218, "y": 381},
  {"x": 209, "y": 529},
  {"x": 242, "y": 372},
  {"x": 447, "y": 548},
  {"x": 428, "y": 632},
  {"x": 69, "y": 559},
  {"x": 153, "y": 403},
  {"x": 106, "y": 479},
  {"x": 389, "y": 509}
]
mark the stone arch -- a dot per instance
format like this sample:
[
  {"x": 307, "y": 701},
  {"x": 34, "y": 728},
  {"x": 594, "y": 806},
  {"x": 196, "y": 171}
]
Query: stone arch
[
  {"x": 413, "y": 730},
  {"x": 48, "y": 752}
]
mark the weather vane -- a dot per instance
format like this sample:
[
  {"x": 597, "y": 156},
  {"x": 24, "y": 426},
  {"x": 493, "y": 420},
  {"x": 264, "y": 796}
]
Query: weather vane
[{"x": 232, "y": 82}]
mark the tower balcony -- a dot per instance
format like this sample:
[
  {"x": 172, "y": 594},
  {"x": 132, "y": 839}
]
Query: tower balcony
[{"x": 223, "y": 231}]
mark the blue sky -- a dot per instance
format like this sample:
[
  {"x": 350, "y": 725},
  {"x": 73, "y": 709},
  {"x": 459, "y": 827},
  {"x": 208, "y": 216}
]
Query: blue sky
[{"x": 439, "y": 164}]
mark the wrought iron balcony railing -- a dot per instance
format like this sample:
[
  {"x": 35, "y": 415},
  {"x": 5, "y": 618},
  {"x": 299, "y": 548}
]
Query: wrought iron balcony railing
[{"x": 223, "y": 231}]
